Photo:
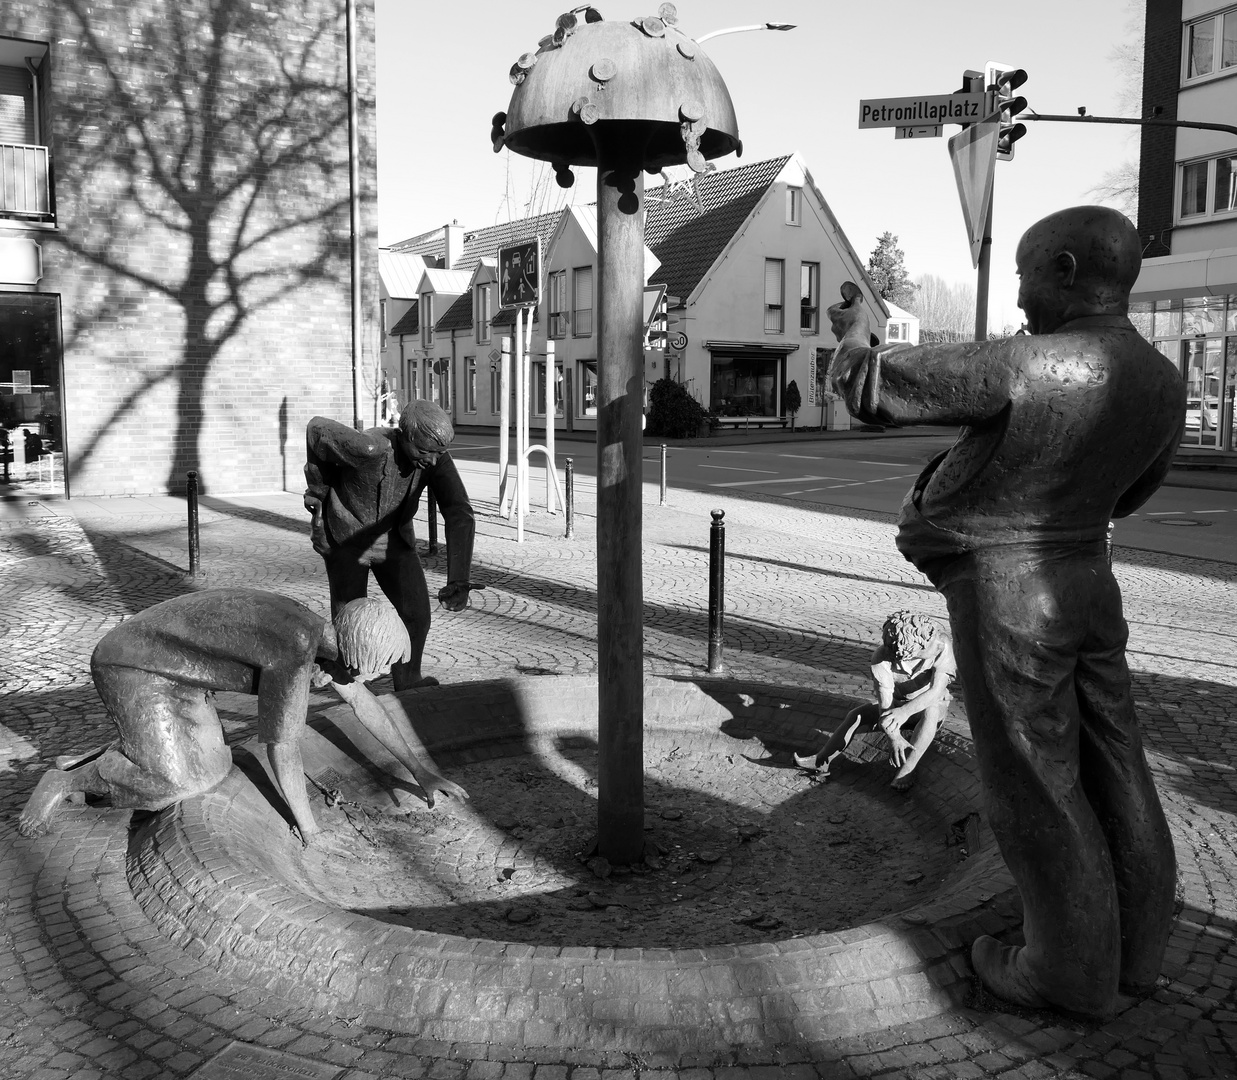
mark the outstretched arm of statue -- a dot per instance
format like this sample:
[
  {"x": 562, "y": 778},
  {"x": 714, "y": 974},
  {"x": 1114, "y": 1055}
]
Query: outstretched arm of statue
[
  {"x": 962, "y": 383},
  {"x": 379, "y": 723}
]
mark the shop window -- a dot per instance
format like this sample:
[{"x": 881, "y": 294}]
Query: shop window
[
  {"x": 745, "y": 386},
  {"x": 588, "y": 388},
  {"x": 32, "y": 449}
]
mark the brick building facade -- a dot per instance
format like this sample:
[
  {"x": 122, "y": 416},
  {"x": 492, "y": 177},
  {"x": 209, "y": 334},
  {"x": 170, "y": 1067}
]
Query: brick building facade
[{"x": 175, "y": 255}]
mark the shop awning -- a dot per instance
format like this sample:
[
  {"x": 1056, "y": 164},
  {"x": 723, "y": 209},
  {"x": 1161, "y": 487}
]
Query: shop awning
[
  {"x": 1195, "y": 273},
  {"x": 780, "y": 348}
]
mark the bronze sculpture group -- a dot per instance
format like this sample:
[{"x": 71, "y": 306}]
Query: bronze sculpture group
[{"x": 1062, "y": 429}]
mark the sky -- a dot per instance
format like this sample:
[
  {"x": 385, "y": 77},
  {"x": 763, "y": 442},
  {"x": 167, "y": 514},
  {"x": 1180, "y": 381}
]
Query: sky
[{"x": 443, "y": 73}]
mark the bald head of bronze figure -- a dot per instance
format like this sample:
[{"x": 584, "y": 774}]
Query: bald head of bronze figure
[{"x": 1077, "y": 262}]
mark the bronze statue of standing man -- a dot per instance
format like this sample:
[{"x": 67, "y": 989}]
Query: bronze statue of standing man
[{"x": 1062, "y": 430}]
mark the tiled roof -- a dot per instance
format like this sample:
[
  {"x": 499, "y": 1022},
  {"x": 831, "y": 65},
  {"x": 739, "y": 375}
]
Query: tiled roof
[
  {"x": 688, "y": 239},
  {"x": 684, "y": 234},
  {"x": 407, "y": 323},
  {"x": 484, "y": 243},
  {"x": 458, "y": 316}
]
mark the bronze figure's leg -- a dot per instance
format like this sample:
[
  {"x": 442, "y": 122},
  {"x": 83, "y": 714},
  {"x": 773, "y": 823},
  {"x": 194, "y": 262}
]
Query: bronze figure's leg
[
  {"x": 1018, "y": 623},
  {"x": 862, "y": 716},
  {"x": 402, "y": 579},
  {"x": 348, "y": 579},
  {"x": 1119, "y": 786}
]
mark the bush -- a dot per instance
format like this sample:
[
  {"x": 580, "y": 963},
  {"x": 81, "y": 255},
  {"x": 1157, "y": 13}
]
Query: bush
[
  {"x": 673, "y": 412},
  {"x": 792, "y": 399}
]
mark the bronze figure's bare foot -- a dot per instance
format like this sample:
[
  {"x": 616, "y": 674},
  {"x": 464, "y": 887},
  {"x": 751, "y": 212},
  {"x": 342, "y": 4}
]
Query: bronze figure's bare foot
[
  {"x": 1003, "y": 975},
  {"x": 903, "y": 782},
  {"x": 44, "y": 803}
]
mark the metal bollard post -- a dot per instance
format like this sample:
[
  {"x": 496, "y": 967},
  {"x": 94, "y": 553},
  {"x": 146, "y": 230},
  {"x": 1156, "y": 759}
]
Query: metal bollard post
[
  {"x": 717, "y": 589},
  {"x": 431, "y": 508},
  {"x": 569, "y": 482},
  {"x": 663, "y": 474},
  {"x": 1108, "y": 541},
  {"x": 191, "y": 496}
]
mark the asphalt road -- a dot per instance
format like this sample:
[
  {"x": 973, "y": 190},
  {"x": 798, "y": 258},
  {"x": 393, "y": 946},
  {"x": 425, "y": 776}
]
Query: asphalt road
[{"x": 875, "y": 474}]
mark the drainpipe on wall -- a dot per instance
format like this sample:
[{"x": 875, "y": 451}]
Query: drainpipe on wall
[{"x": 354, "y": 212}]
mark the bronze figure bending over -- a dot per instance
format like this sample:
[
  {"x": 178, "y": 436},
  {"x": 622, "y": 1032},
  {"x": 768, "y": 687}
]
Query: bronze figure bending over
[
  {"x": 1062, "y": 430},
  {"x": 363, "y": 490},
  {"x": 156, "y": 674}
]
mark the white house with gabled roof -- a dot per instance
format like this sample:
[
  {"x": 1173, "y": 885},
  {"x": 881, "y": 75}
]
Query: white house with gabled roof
[{"x": 748, "y": 259}]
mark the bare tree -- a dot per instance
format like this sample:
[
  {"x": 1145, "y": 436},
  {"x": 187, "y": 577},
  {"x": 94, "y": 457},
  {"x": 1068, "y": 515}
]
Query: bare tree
[
  {"x": 1118, "y": 187},
  {"x": 946, "y": 310}
]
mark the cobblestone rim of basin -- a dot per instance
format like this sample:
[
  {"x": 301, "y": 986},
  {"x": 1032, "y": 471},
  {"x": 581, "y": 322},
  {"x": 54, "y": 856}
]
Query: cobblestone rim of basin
[{"x": 208, "y": 873}]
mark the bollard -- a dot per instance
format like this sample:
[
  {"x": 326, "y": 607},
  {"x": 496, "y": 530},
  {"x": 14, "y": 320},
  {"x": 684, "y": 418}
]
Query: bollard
[
  {"x": 191, "y": 496},
  {"x": 431, "y": 508},
  {"x": 717, "y": 589},
  {"x": 663, "y": 474},
  {"x": 1108, "y": 542},
  {"x": 569, "y": 482}
]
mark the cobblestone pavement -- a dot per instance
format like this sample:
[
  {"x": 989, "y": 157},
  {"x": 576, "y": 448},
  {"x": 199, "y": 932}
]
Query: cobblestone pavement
[{"x": 90, "y": 987}]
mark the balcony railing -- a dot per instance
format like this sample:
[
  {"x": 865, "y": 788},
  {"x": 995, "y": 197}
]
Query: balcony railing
[{"x": 24, "y": 190}]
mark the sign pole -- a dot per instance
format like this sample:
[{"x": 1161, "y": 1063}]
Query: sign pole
[
  {"x": 550, "y": 502},
  {"x": 521, "y": 458},
  {"x": 504, "y": 425},
  {"x": 981, "y": 281}
]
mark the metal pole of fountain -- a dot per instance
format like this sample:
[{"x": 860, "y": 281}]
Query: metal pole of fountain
[{"x": 624, "y": 97}]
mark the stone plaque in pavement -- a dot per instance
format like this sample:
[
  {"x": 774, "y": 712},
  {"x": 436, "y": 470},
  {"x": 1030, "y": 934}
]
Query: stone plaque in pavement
[{"x": 244, "y": 1061}]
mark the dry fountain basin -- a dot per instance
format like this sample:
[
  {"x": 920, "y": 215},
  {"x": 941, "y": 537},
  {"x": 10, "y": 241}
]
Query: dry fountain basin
[{"x": 772, "y": 908}]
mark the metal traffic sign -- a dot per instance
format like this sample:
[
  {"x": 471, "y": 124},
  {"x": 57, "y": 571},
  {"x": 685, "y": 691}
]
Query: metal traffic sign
[
  {"x": 973, "y": 153},
  {"x": 519, "y": 274},
  {"x": 928, "y": 131},
  {"x": 931, "y": 109}
]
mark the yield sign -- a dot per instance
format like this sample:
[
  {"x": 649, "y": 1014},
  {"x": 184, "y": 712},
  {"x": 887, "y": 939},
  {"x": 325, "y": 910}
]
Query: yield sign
[{"x": 973, "y": 153}]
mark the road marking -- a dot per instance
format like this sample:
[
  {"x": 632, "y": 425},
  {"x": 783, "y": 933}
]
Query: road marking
[
  {"x": 735, "y": 468},
  {"x": 784, "y": 480},
  {"x": 892, "y": 464}
]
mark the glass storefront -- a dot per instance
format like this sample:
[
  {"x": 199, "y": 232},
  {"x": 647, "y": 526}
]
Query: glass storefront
[
  {"x": 1199, "y": 335},
  {"x": 745, "y": 385},
  {"x": 31, "y": 423}
]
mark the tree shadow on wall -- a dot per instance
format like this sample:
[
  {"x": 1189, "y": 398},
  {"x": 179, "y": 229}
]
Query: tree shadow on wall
[{"x": 210, "y": 177}]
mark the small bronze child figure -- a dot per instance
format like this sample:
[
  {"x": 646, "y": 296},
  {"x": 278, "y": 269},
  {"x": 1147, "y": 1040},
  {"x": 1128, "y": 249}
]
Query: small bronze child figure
[{"x": 911, "y": 673}]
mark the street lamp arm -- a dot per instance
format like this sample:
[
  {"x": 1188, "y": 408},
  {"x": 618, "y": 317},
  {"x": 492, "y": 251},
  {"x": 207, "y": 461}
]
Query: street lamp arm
[{"x": 743, "y": 29}]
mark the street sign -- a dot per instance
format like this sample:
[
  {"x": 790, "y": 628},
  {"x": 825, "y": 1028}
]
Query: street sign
[
  {"x": 519, "y": 274},
  {"x": 678, "y": 340},
  {"x": 928, "y": 131},
  {"x": 929, "y": 110},
  {"x": 973, "y": 153}
]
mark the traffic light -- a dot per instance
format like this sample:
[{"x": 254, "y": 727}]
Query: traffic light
[{"x": 1002, "y": 81}]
